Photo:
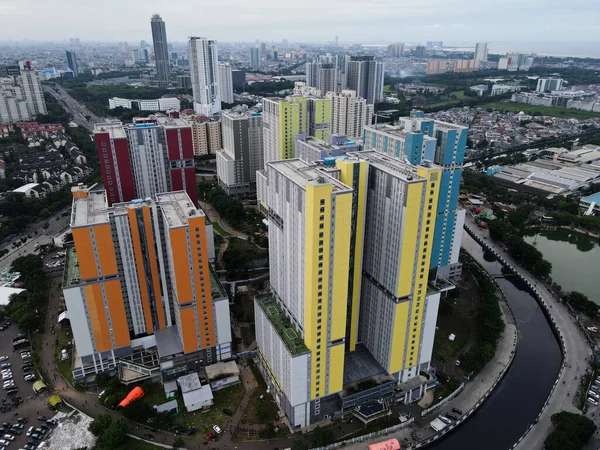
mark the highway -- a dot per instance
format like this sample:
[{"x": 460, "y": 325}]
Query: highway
[
  {"x": 539, "y": 145},
  {"x": 44, "y": 236},
  {"x": 78, "y": 110}
]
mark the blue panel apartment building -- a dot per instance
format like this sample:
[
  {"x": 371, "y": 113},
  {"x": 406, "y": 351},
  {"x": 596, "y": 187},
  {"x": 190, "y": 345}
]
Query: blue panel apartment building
[{"x": 415, "y": 139}]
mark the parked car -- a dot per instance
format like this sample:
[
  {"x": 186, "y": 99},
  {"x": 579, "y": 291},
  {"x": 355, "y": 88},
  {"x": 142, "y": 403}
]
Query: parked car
[
  {"x": 592, "y": 401},
  {"x": 217, "y": 429},
  {"x": 210, "y": 436},
  {"x": 457, "y": 411}
]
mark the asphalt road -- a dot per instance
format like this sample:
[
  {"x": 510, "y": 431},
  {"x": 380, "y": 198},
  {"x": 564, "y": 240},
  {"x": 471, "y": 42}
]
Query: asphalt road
[
  {"x": 44, "y": 236},
  {"x": 78, "y": 110}
]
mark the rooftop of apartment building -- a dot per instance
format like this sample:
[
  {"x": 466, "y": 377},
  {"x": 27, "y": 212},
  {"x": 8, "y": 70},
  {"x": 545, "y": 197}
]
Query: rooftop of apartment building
[
  {"x": 335, "y": 141},
  {"x": 172, "y": 122},
  {"x": 303, "y": 174},
  {"x": 288, "y": 334},
  {"x": 90, "y": 210},
  {"x": 177, "y": 208},
  {"x": 115, "y": 129},
  {"x": 393, "y": 166},
  {"x": 394, "y": 130},
  {"x": 240, "y": 115}
]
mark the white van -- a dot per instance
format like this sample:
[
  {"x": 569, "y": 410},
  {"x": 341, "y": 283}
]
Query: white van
[{"x": 592, "y": 401}]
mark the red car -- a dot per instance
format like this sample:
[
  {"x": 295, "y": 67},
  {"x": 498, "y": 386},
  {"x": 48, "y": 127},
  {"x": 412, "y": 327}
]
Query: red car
[{"x": 210, "y": 436}]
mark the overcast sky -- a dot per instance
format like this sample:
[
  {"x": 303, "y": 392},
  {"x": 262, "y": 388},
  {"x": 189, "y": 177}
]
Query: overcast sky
[{"x": 376, "y": 21}]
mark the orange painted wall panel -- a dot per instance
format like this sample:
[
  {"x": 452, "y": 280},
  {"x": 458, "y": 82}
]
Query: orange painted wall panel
[
  {"x": 116, "y": 307},
  {"x": 85, "y": 253},
  {"x": 188, "y": 328},
  {"x": 95, "y": 304},
  {"x": 181, "y": 266},
  {"x": 207, "y": 339},
  {"x": 106, "y": 250}
]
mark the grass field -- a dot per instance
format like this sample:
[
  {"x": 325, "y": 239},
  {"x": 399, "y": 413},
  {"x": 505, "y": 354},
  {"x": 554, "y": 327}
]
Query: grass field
[
  {"x": 444, "y": 349},
  {"x": 545, "y": 110},
  {"x": 387, "y": 89}
]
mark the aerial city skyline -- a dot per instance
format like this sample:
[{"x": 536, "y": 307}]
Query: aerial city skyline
[{"x": 302, "y": 237}]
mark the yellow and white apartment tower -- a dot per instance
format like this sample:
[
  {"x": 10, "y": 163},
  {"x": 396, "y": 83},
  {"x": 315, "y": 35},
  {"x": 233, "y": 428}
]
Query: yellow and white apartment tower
[
  {"x": 349, "y": 247},
  {"x": 139, "y": 281}
]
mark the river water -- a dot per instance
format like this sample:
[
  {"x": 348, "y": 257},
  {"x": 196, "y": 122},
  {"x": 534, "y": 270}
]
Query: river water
[
  {"x": 519, "y": 398},
  {"x": 575, "y": 260}
]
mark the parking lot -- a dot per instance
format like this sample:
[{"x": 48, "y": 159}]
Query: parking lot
[{"x": 31, "y": 405}]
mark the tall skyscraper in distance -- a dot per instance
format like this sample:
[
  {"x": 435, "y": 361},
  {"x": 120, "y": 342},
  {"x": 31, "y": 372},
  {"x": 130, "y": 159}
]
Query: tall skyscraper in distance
[
  {"x": 147, "y": 157},
  {"x": 419, "y": 51},
  {"x": 365, "y": 76},
  {"x": 335, "y": 228},
  {"x": 263, "y": 51},
  {"x": 396, "y": 49},
  {"x": 435, "y": 44},
  {"x": 324, "y": 76},
  {"x": 204, "y": 72},
  {"x": 161, "y": 51},
  {"x": 129, "y": 287},
  {"x": 72, "y": 62},
  {"x": 349, "y": 114},
  {"x": 481, "y": 52},
  {"x": 32, "y": 89},
  {"x": 206, "y": 135},
  {"x": 242, "y": 153},
  {"x": 226, "y": 82},
  {"x": 254, "y": 57}
]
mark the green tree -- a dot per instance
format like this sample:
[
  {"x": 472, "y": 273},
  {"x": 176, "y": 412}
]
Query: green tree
[
  {"x": 139, "y": 411},
  {"x": 178, "y": 443},
  {"x": 321, "y": 437},
  {"x": 115, "y": 434},
  {"x": 99, "y": 424},
  {"x": 571, "y": 431}
]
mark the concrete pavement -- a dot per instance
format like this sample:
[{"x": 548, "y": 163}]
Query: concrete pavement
[{"x": 576, "y": 351}]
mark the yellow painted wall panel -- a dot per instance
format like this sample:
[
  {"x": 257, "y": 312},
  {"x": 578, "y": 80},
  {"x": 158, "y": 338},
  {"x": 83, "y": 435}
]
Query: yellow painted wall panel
[
  {"x": 341, "y": 263},
  {"x": 399, "y": 337},
  {"x": 336, "y": 369},
  {"x": 409, "y": 239}
]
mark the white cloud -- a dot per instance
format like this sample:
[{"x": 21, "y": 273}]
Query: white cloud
[{"x": 437, "y": 25}]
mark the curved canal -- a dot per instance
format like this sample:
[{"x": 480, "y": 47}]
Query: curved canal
[{"x": 519, "y": 398}]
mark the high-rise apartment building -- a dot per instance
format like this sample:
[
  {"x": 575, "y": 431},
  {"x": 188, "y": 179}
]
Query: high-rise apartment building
[
  {"x": 72, "y": 62},
  {"x": 206, "y": 135},
  {"x": 364, "y": 75},
  {"x": 242, "y": 153},
  {"x": 161, "y": 51},
  {"x": 226, "y": 82},
  {"x": 349, "y": 247},
  {"x": 436, "y": 66},
  {"x": 139, "y": 289},
  {"x": 32, "y": 89},
  {"x": 254, "y": 57},
  {"x": 13, "y": 105},
  {"x": 319, "y": 117},
  {"x": 147, "y": 157},
  {"x": 285, "y": 118},
  {"x": 549, "y": 84},
  {"x": 396, "y": 49},
  {"x": 417, "y": 138},
  {"x": 419, "y": 51},
  {"x": 204, "y": 71},
  {"x": 350, "y": 114},
  {"x": 310, "y": 149},
  {"x": 481, "y": 52},
  {"x": 324, "y": 76},
  {"x": 466, "y": 65}
]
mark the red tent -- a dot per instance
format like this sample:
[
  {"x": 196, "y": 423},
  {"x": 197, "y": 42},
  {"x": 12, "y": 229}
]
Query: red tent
[
  {"x": 136, "y": 393},
  {"x": 391, "y": 444}
]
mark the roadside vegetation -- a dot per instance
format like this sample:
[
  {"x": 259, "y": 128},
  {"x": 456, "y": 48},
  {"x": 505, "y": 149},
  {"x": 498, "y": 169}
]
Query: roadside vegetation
[
  {"x": 571, "y": 431},
  {"x": 534, "y": 110},
  {"x": 489, "y": 323}
]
